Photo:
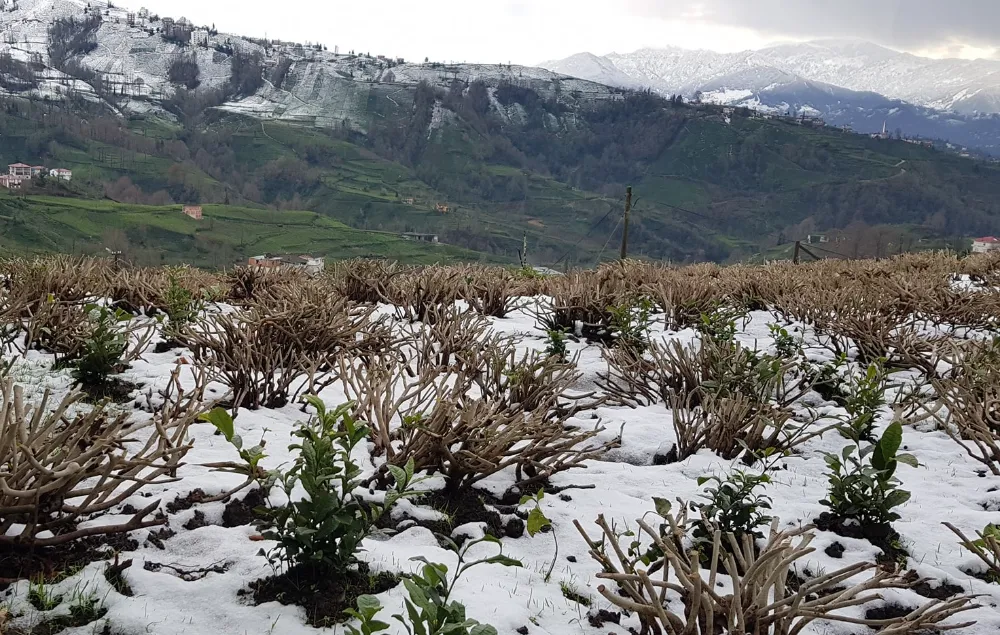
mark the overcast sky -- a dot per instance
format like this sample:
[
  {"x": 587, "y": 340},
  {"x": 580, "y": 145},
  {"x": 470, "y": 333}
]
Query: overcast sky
[{"x": 530, "y": 31}]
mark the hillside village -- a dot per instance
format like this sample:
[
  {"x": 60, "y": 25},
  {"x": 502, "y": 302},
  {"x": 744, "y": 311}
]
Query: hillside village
[{"x": 18, "y": 173}]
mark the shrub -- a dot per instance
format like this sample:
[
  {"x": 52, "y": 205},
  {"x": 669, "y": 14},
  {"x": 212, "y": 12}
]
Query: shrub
[
  {"x": 269, "y": 354},
  {"x": 764, "y": 596},
  {"x": 868, "y": 492},
  {"x": 720, "y": 325},
  {"x": 493, "y": 292},
  {"x": 324, "y": 530},
  {"x": 104, "y": 349},
  {"x": 733, "y": 505},
  {"x": 429, "y": 607},
  {"x": 181, "y": 304},
  {"x": 785, "y": 345},
  {"x": 556, "y": 346},
  {"x": 429, "y": 413},
  {"x": 629, "y": 324},
  {"x": 60, "y": 469},
  {"x": 969, "y": 399},
  {"x": 986, "y": 547}
]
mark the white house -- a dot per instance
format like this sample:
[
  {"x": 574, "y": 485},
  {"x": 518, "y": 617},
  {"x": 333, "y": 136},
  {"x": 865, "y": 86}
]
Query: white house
[
  {"x": 308, "y": 264},
  {"x": 985, "y": 244},
  {"x": 61, "y": 173}
]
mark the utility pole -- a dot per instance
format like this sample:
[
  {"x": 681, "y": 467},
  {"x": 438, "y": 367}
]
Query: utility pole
[
  {"x": 795, "y": 255},
  {"x": 628, "y": 209}
]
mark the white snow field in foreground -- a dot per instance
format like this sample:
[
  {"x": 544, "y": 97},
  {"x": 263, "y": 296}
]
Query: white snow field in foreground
[{"x": 622, "y": 483}]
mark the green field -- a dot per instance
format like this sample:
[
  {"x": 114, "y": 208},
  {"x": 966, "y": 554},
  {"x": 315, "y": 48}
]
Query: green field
[
  {"x": 226, "y": 234},
  {"x": 705, "y": 188}
]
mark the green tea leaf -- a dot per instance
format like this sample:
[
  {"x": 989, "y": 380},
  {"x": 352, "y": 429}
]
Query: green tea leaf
[
  {"x": 221, "y": 419},
  {"x": 537, "y": 521}
]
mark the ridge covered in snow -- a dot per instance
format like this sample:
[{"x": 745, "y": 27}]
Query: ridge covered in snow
[
  {"x": 966, "y": 86},
  {"x": 320, "y": 87}
]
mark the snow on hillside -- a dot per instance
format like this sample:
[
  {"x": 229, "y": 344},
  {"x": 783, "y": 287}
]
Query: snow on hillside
[
  {"x": 320, "y": 88},
  {"x": 962, "y": 85}
]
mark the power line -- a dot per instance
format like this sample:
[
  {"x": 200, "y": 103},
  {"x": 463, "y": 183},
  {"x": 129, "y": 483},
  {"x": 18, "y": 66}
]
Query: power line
[
  {"x": 589, "y": 231},
  {"x": 620, "y": 219}
]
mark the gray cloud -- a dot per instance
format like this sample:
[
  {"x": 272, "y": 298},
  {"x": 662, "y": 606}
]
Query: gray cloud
[{"x": 908, "y": 24}]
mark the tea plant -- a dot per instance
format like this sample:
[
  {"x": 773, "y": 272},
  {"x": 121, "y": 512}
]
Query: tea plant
[
  {"x": 251, "y": 467},
  {"x": 785, "y": 345},
  {"x": 180, "y": 304},
  {"x": 538, "y": 522},
  {"x": 866, "y": 394},
  {"x": 556, "y": 344},
  {"x": 429, "y": 607},
  {"x": 325, "y": 528},
  {"x": 733, "y": 505},
  {"x": 720, "y": 325},
  {"x": 862, "y": 482},
  {"x": 103, "y": 350},
  {"x": 630, "y": 323}
]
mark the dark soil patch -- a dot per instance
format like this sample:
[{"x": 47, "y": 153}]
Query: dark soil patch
[
  {"x": 980, "y": 574},
  {"x": 187, "y": 502},
  {"x": 666, "y": 459},
  {"x": 467, "y": 506},
  {"x": 115, "y": 389},
  {"x": 514, "y": 528},
  {"x": 241, "y": 512},
  {"x": 836, "y": 550},
  {"x": 323, "y": 596},
  {"x": 197, "y": 521},
  {"x": 882, "y": 536},
  {"x": 603, "y": 616},
  {"x": 888, "y": 612},
  {"x": 156, "y": 538},
  {"x": 943, "y": 591},
  {"x": 166, "y": 346},
  {"x": 52, "y": 563}
]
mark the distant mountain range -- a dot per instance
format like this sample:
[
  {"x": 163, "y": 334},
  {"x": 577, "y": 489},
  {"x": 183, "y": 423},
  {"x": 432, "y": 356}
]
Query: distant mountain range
[{"x": 847, "y": 82}]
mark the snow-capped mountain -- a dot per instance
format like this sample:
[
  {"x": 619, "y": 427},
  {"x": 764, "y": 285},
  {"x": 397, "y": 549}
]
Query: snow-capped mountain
[
  {"x": 965, "y": 86},
  {"x": 771, "y": 90},
  {"x": 128, "y": 67}
]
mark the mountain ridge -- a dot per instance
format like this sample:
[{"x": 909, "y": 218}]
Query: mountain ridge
[{"x": 966, "y": 86}]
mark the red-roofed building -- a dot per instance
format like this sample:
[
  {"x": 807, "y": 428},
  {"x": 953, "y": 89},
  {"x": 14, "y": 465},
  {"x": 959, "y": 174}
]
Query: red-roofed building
[
  {"x": 19, "y": 170},
  {"x": 985, "y": 244}
]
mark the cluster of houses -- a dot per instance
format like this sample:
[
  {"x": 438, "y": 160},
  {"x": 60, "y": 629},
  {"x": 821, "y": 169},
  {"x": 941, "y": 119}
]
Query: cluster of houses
[
  {"x": 305, "y": 263},
  {"x": 17, "y": 173}
]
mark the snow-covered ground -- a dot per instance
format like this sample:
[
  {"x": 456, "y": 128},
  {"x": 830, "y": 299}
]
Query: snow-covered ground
[{"x": 948, "y": 486}]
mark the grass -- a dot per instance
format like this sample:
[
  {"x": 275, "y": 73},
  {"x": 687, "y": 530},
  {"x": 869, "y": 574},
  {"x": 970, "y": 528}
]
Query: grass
[
  {"x": 718, "y": 190},
  {"x": 226, "y": 234}
]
